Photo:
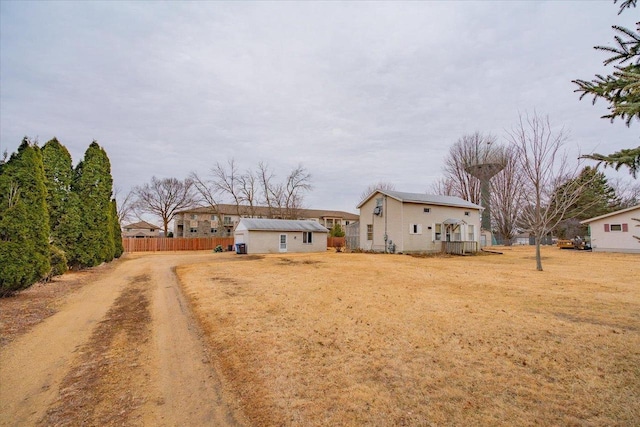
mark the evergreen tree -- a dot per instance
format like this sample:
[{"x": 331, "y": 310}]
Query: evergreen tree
[
  {"x": 93, "y": 186},
  {"x": 24, "y": 220},
  {"x": 117, "y": 231},
  {"x": 621, "y": 89},
  {"x": 596, "y": 198},
  {"x": 58, "y": 170},
  {"x": 336, "y": 230}
]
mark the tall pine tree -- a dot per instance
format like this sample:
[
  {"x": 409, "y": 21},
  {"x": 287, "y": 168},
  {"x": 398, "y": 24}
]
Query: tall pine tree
[
  {"x": 93, "y": 186},
  {"x": 24, "y": 220},
  {"x": 58, "y": 170}
]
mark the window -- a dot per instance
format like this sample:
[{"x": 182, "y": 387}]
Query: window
[
  {"x": 466, "y": 213},
  {"x": 227, "y": 220},
  {"x": 307, "y": 237},
  {"x": 193, "y": 216},
  {"x": 415, "y": 228},
  {"x": 426, "y": 210},
  {"x": 438, "y": 232},
  {"x": 369, "y": 231},
  {"x": 471, "y": 236},
  {"x": 616, "y": 227},
  {"x": 213, "y": 217}
]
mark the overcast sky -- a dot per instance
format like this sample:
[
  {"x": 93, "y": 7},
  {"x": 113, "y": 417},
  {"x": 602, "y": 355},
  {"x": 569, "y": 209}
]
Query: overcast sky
[{"x": 356, "y": 92}]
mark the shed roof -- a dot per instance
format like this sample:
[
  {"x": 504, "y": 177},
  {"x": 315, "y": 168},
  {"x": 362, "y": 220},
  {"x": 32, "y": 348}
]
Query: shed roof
[
  {"x": 257, "y": 224},
  {"x": 428, "y": 199}
]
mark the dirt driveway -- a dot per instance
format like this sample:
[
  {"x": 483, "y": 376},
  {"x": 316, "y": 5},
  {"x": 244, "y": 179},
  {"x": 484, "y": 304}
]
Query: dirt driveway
[{"x": 123, "y": 350}]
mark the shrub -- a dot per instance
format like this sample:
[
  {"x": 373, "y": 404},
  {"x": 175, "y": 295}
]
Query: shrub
[{"x": 58, "y": 261}]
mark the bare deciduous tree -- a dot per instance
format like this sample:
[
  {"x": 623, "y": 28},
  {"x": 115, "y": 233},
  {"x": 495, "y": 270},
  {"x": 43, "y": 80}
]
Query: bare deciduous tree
[
  {"x": 270, "y": 194},
  {"x": 298, "y": 182},
  {"x": 442, "y": 186},
  {"x": 381, "y": 185},
  {"x": 459, "y": 182},
  {"x": 206, "y": 189},
  {"x": 164, "y": 197},
  {"x": 544, "y": 169},
  {"x": 249, "y": 191},
  {"x": 226, "y": 180},
  {"x": 628, "y": 192},
  {"x": 506, "y": 197},
  {"x": 126, "y": 206}
]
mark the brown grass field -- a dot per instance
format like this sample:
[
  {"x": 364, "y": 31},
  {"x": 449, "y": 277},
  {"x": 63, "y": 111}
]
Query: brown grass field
[{"x": 362, "y": 339}]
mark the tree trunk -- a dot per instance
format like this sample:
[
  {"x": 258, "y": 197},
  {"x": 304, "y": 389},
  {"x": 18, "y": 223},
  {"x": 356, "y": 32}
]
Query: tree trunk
[{"x": 538, "y": 257}]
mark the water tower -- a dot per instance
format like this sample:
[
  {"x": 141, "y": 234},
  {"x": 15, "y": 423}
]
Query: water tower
[{"x": 484, "y": 162}]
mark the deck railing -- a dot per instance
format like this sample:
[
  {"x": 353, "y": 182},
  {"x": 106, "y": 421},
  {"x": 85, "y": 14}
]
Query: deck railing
[{"x": 460, "y": 248}]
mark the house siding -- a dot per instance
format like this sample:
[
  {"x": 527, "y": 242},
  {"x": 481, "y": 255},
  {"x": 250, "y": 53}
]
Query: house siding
[
  {"x": 604, "y": 239},
  {"x": 266, "y": 242},
  {"x": 399, "y": 218}
]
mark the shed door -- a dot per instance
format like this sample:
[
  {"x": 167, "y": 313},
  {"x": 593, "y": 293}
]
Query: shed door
[{"x": 283, "y": 243}]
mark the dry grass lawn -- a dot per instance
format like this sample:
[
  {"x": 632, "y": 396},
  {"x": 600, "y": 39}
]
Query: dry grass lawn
[{"x": 361, "y": 339}]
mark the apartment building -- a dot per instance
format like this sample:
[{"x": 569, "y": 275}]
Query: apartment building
[{"x": 223, "y": 219}]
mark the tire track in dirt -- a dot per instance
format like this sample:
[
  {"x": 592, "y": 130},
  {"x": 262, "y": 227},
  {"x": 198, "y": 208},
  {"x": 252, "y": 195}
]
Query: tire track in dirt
[
  {"x": 125, "y": 350},
  {"x": 33, "y": 366},
  {"x": 104, "y": 387}
]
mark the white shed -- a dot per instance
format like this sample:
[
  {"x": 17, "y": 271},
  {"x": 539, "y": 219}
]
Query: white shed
[
  {"x": 263, "y": 236},
  {"x": 616, "y": 232}
]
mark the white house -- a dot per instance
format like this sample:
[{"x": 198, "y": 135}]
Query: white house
[
  {"x": 616, "y": 231},
  {"x": 278, "y": 235},
  {"x": 415, "y": 222}
]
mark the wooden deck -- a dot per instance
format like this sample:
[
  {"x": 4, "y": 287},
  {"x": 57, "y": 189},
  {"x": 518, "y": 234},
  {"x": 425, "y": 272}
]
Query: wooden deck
[{"x": 460, "y": 248}]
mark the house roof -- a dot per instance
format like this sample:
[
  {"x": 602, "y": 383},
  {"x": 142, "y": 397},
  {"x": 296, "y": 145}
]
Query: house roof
[
  {"x": 257, "y": 224},
  {"x": 586, "y": 221},
  {"x": 427, "y": 199},
  {"x": 142, "y": 224},
  {"x": 265, "y": 211}
]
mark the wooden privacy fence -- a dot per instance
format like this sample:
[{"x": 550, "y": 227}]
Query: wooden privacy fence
[
  {"x": 154, "y": 244},
  {"x": 335, "y": 242},
  {"x": 460, "y": 248}
]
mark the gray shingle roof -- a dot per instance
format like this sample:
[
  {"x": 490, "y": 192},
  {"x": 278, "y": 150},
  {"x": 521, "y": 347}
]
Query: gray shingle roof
[
  {"x": 257, "y": 224},
  {"x": 142, "y": 225},
  {"x": 430, "y": 199}
]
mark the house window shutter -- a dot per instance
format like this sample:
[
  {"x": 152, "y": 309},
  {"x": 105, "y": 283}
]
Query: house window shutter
[
  {"x": 606, "y": 228},
  {"x": 420, "y": 228},
  {"x": 625, "y": 228}
]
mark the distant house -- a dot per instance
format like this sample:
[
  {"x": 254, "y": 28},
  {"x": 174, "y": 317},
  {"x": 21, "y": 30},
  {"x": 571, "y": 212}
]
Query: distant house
[
  {"x": 222, "y": 220},
  {"x": 140, "y": 229},
  {"x": 280, "y": 236},
  {"x": 414, "y": 222},
  {"x": 616, "y": 232}
]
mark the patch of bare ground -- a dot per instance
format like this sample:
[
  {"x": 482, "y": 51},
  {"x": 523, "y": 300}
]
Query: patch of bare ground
[
  {"x": 361, "y": 339},
  {"x": 104, "y": 385},
  {"x": 23, "y": 310}
]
